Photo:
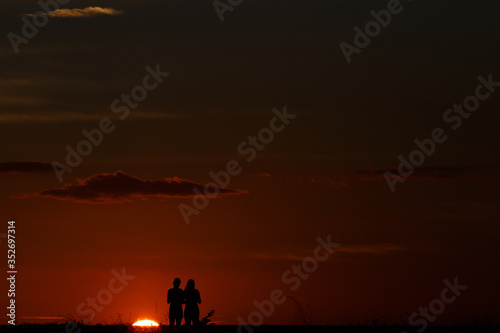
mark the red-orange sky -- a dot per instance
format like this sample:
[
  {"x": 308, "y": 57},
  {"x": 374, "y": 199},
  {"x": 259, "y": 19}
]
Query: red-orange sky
[{"x": 322, "y": 174}]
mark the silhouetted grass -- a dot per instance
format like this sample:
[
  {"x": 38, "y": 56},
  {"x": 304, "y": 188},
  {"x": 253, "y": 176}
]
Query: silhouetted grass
[{"x": 122, "y": 328}]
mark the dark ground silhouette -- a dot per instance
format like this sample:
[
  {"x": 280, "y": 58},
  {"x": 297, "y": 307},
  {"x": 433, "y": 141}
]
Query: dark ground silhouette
[{"x": 60, "y": 328}]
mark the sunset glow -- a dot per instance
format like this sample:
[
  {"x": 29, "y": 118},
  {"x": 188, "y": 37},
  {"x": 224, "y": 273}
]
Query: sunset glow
[
  {"x": 229, "y": 166},
  {"x": 145, "y": 322}
]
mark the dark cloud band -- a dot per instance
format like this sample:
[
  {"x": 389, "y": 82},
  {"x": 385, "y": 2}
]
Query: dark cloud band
[
  {"x": 18, "y": 167},
  {"x": 119, "y": 187}
]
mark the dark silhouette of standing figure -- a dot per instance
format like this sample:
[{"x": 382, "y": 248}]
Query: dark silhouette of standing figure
[
  {"x": 175, "y": 297},
  {"x": 192, "y": 299}
]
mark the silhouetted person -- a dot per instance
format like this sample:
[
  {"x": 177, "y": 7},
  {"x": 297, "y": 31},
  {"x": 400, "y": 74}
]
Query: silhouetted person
[
  {"x": 175, "y": 297},
  {"x": 192, "y": 299}
]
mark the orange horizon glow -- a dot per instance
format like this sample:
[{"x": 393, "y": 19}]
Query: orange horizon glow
[{"x": 145, "y": 322}]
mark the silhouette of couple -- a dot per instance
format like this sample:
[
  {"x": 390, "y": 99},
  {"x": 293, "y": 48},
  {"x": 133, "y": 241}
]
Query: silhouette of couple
[{"x": 189, "y": 296}]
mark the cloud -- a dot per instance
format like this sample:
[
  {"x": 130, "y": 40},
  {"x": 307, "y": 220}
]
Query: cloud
[
  {"x": 261, "y": 174},
  {"x": 75, "y": 117},
  {"x": 328, "y": 181},
  {"x": 432, "y": 173},
  {"x": 369, "y": 249},
  {"x": 278, "y": 256},
  {"x": 85, "y": 12},
  {"x": 18, "y": 167},
  {"x": 343, "y": 177},
  {"x": 120, "y": 187},
  {"x": 380, "y": 249},
  {"x": 12, "y": 100}
]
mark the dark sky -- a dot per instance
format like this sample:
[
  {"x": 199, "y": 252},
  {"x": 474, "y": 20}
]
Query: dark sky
[{"x": 323, "y": 174}]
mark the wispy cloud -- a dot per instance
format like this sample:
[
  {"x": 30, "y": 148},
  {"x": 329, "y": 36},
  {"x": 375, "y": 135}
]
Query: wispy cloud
[
  {"x": 328, "y": 181},
  {"x": 24, "y": 166},
  {"x": 372, "y": 248},
  {"x": 368, "y": 249},
  {"x": 277, "y": 256},
  {"x": 261, "y": 174},
  {"x": 7, "y": 117},
  {"x": 342, "y": 177},
  {"x": 11, "y": 100},
  {"x": 119, "y": 187},
  {"x": 432, "y": 173},
  {"x": 83, "y": 12}
]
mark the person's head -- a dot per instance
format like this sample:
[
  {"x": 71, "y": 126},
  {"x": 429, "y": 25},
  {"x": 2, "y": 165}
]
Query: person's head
[
  {"x": 190, "y": 285},
  {"x": 177, "y": 282}
]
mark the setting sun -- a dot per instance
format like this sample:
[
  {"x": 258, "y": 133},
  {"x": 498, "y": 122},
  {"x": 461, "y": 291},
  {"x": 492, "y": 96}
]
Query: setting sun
[{"x": 145, "y": 322}]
